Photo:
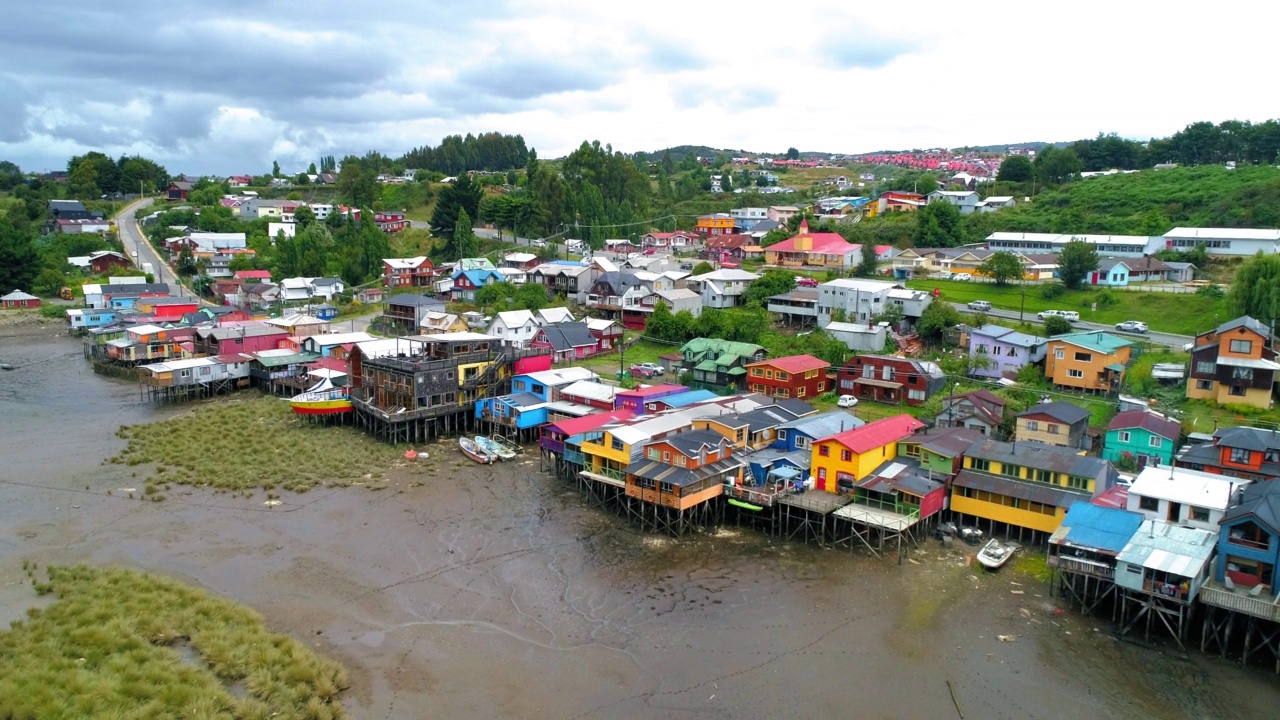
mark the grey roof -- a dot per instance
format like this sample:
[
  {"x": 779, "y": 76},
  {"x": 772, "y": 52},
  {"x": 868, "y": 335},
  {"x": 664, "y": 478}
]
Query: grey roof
[
  {"x": 66, "y": 205},
  {"x": 768, "y": 456},
  {"x": 522, "y": 399},
  {"x": 947, "y": 442},
  {"x": 1248, "y": 438},
  {"x": 1247, "y": 322},
  {"x": 134, "y": 288},
  {"x": 1042, "y": 457},
  {"x": 691, "y": 442},
  {"x": 414, "y": 301},
  {"x": 795, "y": 406},
  {"x": 680, "y": 477},
  {"x": 566, "y": 336},
  {"x": 901, "y": 474},
  {"x": 223, "y": 333},
  {"x": 326, "y": 281},
  {"x": 769, "y": 416},
  {"x": 824, "y": 424},
  {"x": 1035, "y": 492},
  {"x": 1065, "y": 412},
  {"x": 1261, "y": 500}
]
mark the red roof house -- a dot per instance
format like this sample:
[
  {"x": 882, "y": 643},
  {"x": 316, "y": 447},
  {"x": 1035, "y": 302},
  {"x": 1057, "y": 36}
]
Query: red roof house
[
  {"x": 554, "y": 434},
  {"x": 635, "y": 399},
  {"x": 810, "y": 249},
  {"x": 259, "y": 275},
  {"x": 795, "y": 376}
]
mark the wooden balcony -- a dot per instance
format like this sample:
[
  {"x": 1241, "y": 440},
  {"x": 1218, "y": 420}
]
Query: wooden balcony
[
  {"x": 1263, "y": 606},
  {"x": 551, "y": 445},
  {"x": 1082, "y": 566}
]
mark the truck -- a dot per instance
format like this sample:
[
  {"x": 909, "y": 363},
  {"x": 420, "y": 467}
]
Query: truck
[{"x": 149, "y": 269}]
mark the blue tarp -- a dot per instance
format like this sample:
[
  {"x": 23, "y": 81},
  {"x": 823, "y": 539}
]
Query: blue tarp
[{"x": 1101, "y": 528}]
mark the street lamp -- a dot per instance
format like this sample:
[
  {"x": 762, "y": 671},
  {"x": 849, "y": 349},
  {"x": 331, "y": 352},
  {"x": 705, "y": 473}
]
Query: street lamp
[{"x": 951, "y": 405}]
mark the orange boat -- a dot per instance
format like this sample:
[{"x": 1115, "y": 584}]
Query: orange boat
[{"x": 323, "y": 399}]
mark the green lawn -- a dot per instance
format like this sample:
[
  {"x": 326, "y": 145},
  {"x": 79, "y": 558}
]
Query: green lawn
[
  {"x": 642, "y": 352},
  {"x": 1162, "y": 312}
]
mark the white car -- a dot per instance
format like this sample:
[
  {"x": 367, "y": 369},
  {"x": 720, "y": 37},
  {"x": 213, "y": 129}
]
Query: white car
[
  {"x": 963, "y": 277},
  {"x": 979, "y": 305},
  {"x": 654, "y": 368},
  {"x": 846, "y": 401},
  {"x": 1133, "y": 326},
  {"x": 539, "y": 243},
  {"x": 1064, "y": 314}
]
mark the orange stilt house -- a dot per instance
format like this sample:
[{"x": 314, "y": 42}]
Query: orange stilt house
[{"x": 678, "y": 477}]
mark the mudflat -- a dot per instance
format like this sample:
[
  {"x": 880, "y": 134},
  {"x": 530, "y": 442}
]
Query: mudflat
[{"x": 496, "y": 592}]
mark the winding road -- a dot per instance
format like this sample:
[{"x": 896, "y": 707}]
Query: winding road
[{"x": 1174, "y": 341}]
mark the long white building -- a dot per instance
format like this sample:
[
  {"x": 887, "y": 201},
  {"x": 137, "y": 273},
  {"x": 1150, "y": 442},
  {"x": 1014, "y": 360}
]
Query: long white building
[{"x": 1224, "y": 241}]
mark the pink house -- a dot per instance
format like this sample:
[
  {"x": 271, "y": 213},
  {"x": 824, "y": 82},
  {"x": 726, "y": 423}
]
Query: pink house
[
  {"x": 247, "y": 337},
  {"x": 634, "y": 400}
]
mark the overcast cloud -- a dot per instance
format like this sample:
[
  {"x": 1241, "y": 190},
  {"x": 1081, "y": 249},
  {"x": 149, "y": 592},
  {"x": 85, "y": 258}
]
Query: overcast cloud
[{"x": 228, "y": 87}]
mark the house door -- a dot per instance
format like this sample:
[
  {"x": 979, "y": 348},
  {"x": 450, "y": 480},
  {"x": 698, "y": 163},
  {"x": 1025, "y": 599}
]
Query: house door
[
  {"x": 1175, "y": 512},
  {"x": 822, "y": 478}
]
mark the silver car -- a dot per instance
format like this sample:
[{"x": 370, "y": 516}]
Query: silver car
[{"x": 1132, "y": 326}]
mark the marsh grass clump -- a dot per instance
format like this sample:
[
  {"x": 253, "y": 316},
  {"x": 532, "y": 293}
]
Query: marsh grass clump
[
  {"x": 247, "y": 444},
  {"x": 118, "y": 643}
]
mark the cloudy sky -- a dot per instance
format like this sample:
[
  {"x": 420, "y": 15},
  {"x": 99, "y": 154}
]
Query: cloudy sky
[{"x": 227, "y": 87}]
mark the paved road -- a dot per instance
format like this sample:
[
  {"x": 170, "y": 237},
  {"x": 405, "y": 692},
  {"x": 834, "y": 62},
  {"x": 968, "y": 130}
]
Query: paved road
[
  {"x": 141, "y": 251},
  {"x": 1175, "y": 341}
]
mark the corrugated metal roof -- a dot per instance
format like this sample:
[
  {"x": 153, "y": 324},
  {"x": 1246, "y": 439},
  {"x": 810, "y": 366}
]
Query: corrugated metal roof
[
  {"x": 1099, "y": 528},
  {"x": 1158, "y": 545},
  {"x": 1047, "y": 494}
]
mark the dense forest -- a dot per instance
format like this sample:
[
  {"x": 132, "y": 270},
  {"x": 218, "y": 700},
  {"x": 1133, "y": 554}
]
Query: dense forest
[{"x": 457, "y": 154}]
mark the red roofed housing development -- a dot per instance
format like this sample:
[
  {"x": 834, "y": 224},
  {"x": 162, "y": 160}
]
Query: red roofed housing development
[
  {"x": 840, "y": 461},
  {"x": 815, "y": 250},
  {"x": 797, "y": 376}
]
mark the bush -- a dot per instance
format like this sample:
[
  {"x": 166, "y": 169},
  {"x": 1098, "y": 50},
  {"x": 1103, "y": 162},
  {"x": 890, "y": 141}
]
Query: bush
[
  {"x": 1057, "y": 326},
  {"x": 1052, "y": 290},
  {"x": 1211, "y": 291},
  {"x": 1106, "y": 299}
]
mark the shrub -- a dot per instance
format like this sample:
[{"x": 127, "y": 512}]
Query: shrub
[
  {"x": 1106, "y": 299},
  {"x": 1052, "y": 290},
  {"x": 1211, "y": 291},
  {"x": 1057, "y": 326}
]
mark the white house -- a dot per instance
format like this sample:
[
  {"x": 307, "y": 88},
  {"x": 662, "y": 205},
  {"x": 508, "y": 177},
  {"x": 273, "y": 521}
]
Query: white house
[
  {"x": 300, "y": 288},
  {"x": 275, "y": 228},
  {"x": 965, "y": 200},
  {"x": 327, "y": 288},
  {"x": 749, "y": 217},
  {"x": 553, "y": 316},
  {"x": 857, "y": 336},
  {"x": 996, "y": 202},
  {"x": 722, "y": 288},
  {"x": 861, "y": 300},
  {"x": 210, "y": 242},
  {"x": 514, "y": 326},
  {"x": 1224, "y": 241},
  {"x": 1108, "y": 245},
  {"x": 1181, "y": 496}
]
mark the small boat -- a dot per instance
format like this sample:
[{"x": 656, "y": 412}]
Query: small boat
[
  {"x": 995, "y": 554},
  {"x": 495, "y": 449},
  {"x": 323, "y": 398},
  {"x": 471, "y": 450}
]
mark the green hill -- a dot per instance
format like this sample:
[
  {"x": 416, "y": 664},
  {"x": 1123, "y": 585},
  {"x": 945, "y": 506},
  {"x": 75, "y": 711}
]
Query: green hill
[{"x": 1151, "y": 202}]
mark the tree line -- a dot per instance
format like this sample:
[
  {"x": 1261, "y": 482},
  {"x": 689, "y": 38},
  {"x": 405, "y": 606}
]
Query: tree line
[{"x": 457, "y": 154}]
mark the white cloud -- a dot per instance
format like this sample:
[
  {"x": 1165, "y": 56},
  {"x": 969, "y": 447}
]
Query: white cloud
[{"x": 229, "y": 88}]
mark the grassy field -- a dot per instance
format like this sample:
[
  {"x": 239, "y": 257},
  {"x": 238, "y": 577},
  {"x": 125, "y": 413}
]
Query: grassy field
[
  {"x": 243, "y": 444},
  {"x": 642, "y": 352},
  {"x": 121, "y": 644},
  {"x": 1162, "y": 312}
]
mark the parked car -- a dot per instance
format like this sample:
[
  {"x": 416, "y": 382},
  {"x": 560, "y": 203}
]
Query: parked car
[
  {"x": 846, "y": 401},
  {"x": 1132, "y": 326},
  {"x": 806, "y": 281},
  {"x": 641, "y": 371},
  {"x": 963, "y": 277},
  {"x": 539, "y": 243},
  {"x": 653, "y": 368},
  {"x": 1071, "y": 315},
  {"x": 980, "y": 305},
  {"x": 945, "y": 275}
]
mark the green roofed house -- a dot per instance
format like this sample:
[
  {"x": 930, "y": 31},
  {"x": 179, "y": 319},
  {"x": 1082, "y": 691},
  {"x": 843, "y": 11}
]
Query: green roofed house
[
  {"x": 720, "y": 363},
  {"x": 1089, "y": 361}
]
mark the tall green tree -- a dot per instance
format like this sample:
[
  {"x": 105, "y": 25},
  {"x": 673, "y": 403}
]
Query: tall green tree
[
  {"x": 460, "y": 195},
  {"x": 1054, "y": 167},
  {"x": 1002, "y": 267},
  {"x": 356, "y": 184},
  {"x": 464, "y": 243},
  {"x": 935, "y": 319},
  {"x": 10, "y": 175},
  {"x": 186, "y": 266},
  {"x": 19, "y": 261},
  {"x": 275, "y": 168},
  {"x": 939, "y": 225},
  {"x": 1075, "y": 262},
  {"x": 83, "y": 183},
  {"x": 869, "y": 262},
  {"x": 772, "y": 282},
  {"x": 1255, "y": 291},
  {"x": 303, "y": 217},
  {"x": 793, "y": 154},
  {"x": 1014, "y": 168}
]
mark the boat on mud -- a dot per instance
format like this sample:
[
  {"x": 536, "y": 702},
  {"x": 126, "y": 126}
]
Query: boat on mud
[
  {"x": 475, "y": 452},
  {"x": 494, "y": 448},
  {"x": 995, "y": 554},
  {"x": 323, "y": 398}
]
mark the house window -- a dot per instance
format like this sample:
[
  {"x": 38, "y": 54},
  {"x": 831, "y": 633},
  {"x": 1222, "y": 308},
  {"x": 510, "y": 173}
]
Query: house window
[
  {"x": 1239, "y": 373},
  {"x": 1148, "y": 503},
  {"x": 616, "y": 444},
  {"x": 1204, "y": 384},
  {"x": 783, "y": 376},
  {"x": 846, "y": 456},
  {"x": 757, "y": 372},
  {"x": 1077, "y": 483},
  {"x": 1237, "y": 390},
  {"x": 1244, "y": 347},
  {"x": 1053, "y": 429},
  {"x": 1059, "y": 354},
  {"x": 1240, "y": 456},
  {"x": 1010, "y": 470},
  {"x": 1199, "y": 514},
  {"x": 1205, "y": 367},
  {"x": 768, "y": 374},
  {"x": 666, "y": 456},
  {"x": 979, "y": 464},
  {"x": 802, "y": 442},
  {"x": 824, "y": 451},
  {"x": 800, "y": 391},
  {"x": 1154, "y": 441},
  {"x": 651, "y": 453},
  {"x": 1075, "y": 373},
  {"x": 1040, "y": 476},
  {"x": 1124, "y": 436},
  {"x": 783, "y": 393},
  {"x": 1033, "y": 425}
]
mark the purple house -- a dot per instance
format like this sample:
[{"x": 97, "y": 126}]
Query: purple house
[
  {"x": 634, "y": 400},
  {"x": 1005, "y": 350}
]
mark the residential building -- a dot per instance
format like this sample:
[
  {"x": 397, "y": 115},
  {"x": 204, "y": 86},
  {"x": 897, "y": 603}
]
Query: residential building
[
  {"x": 838, "y": 462},
  {"x": 553, "y": 316},
  {"x": 855, "y": 336},
  {"x": 590, "y": 393},
  {"x": 606, "y": 332},
  {"x": 939, "y": 451},
  {"x": 638, "y": 400},
  {"x": 1166, "y": 561},
  {"x": 1087, "y": 543},
  {"x": 748, "y": 218},
  {"x": 978, "y": 410},
  {"x": 801, "y": 434},
  {"x": 1249, "y": 548},
  {"x": 1053, "y": 423},
  {"x": 568, "y": 340},
  {"x": 404, "y": 313},
  {"x": 781, "y": 213},
  {"x": 813, "y": 250},
  {"x": 529, "y": 403},
  {"x": 390, "y": 221},
  {"x": 727, "y": 248},
  {"x": 897, "y": 202},
  {"x": 434, "y": 322},
  {"x": 722, "y": 288},
  {"x": 467, "y": 282},
  {"x": 408, "y": 272},
  {"x": 177, "y": 190},
  {"x": 1026, "y": 485},
  {"x": 19, "y": 299},
  {"x": 1234, "y": 364},
  {"x": 1180, "y": 272},
  {"x": 679, "y": 400},
  {"x": 568, "y": 278},
  {"x": 665, "y": 241},
  {"x": 514, "y": 326},
  {"x": 83, "y": 318},
  {"x": 992, "y": 203},
  {"x": 911, "y": 303},
  {"x": 252, "y": 275},
  {"x": 1182, "y": 497},
  {"x": 1143, "y": 437},
  {"x": 860, "y": 301},
  {"x": 966, "y": 201},
  {"x": 1092, "y": 361},
  {"x": 324, "y": 344},
  {"x": 248, "y": 337},
  {"x": 795, "y": 376},
  {"x": 720, "y": 363},
  {"x": 1111, "y": 271},
  {"x": 520, "y": 261},
  {"x": 1237, "y": 242},
  {"x": 715, "y": 224},
  {"x": 683, "y": 470},
  {"x": 890, "y": 379},
  {"x": 1000, "y": 352},
  {"x": 1242, "y": 452},
  {"x": 1134, "y": 246}
]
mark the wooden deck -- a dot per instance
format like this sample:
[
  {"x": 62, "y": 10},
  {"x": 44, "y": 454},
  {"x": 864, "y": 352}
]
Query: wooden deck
[
  {"x": 1239, "y": 600},
  {"x": 816, "y": 501},
  {"x": 877, "y": 517}
]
